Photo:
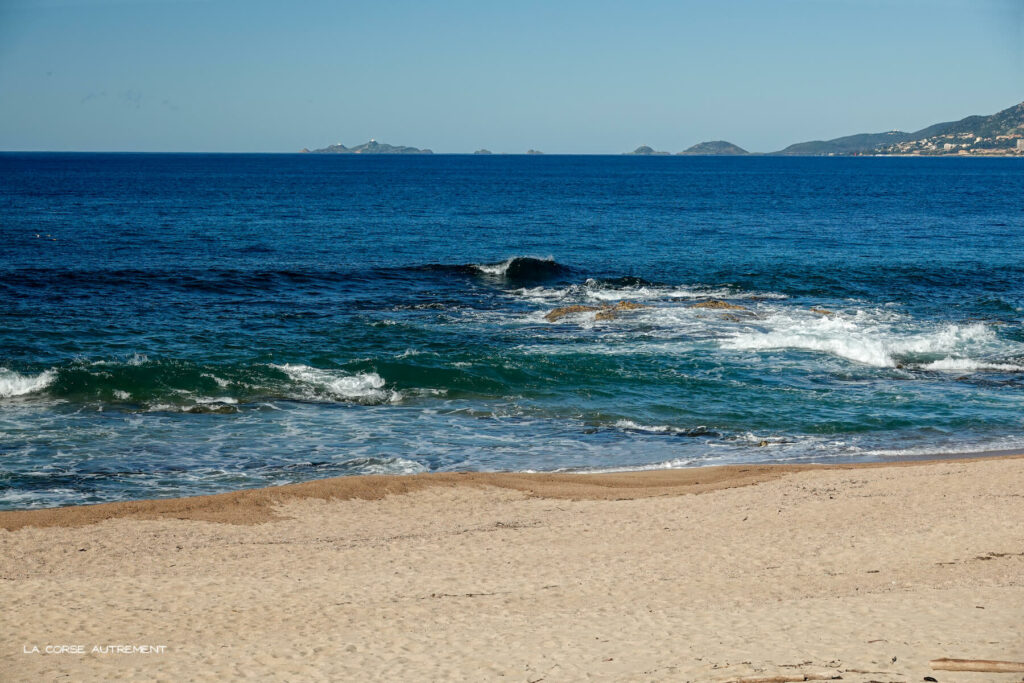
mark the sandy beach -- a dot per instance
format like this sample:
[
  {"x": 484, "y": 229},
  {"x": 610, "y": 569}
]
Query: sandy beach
[{"x": 853, "y": 573}]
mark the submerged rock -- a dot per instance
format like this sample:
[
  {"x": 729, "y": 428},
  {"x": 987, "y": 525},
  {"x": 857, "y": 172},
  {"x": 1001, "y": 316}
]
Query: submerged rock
[
  {"x": 718, "y": 303},
  {"x": 822, "y": 311},
  {"x": 562, "y": 311},
  {"x": 629, "y": 306},
  {"x": 603, "y": 312},
  {"x": 212, "y": 409}
]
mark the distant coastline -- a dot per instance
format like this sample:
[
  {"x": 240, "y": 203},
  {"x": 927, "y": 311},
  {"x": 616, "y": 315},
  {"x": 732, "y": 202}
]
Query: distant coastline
[{"x": 998, "y": 135}]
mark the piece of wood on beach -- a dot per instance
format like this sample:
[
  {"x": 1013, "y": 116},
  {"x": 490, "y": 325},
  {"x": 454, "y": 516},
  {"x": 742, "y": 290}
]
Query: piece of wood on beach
[
  {"x": 787, "y": 678},
  {"x": 990, "y": 666}
]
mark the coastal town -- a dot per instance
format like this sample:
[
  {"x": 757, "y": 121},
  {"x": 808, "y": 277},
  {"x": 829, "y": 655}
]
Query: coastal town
[{"x": 959, "y": 144}]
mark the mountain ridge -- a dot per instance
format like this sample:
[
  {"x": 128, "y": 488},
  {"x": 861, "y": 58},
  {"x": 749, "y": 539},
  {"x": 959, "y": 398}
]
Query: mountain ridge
[{"x": 995, "y": 134}]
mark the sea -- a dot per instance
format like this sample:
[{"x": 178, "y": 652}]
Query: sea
[{"x": 180, "y": 324}]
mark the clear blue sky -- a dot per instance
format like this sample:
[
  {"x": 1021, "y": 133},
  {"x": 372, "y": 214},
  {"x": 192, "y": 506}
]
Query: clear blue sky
[{"x": 562, "y": 77}]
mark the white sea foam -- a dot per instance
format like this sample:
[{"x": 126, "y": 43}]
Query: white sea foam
[
  {"x": 366, "y": 387},
  {"x": 951, "y": 364},
  {"x": 675, "y": 463},
  {"x": 496, "y": 269},
  {"x": 597, "y": 291},
  {"x": 222, "y": 383},
  {"x": 861, "y": 337},
  {"x": 386, "y": 466},
  {"x": 16, "y": 384},
  {"x": 882, "y": 336},
  {"x": 631, "y": 426},
  {"x": 135, "y": 359},
  {"x": 222, "y": 399}
]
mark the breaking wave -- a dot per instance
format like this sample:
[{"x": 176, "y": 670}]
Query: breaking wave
[
  {"x": 367, "y": 387},
  {"x": 668, "y": 430},
  {"x": 140, "y": 383},
  {"x": 951, "y": 364},
  {"x": 524, "y": 269},
  {"x": 600, "y": 290},
  {"x": 876, "y": 341},
  {"x": 16, "y": 384}
]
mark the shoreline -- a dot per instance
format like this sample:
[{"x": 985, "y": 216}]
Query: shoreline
[
  {"x": 256, "y": 505},
  {"x": 860, "y": 572},
  {"x": 863, "y": 573}
]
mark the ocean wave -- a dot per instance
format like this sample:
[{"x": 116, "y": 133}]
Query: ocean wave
[
  {"x": 862, "y": 339},
  {"x": 138, "y": 383},
  {"x": 351, "y": 466},
  {"x": 523, "y": 268},
  {"x": 214, "y": 280},
  {"x": 383, "y": 466},
  {"x": 600, "y": 290},
  {"x": 631, "y": 426},
  {"x": 673, "y": 464},
  {"x": 951, "y": 364},
  {"x": 366, "y": 387},
  {"x": 16, "y": 384}
]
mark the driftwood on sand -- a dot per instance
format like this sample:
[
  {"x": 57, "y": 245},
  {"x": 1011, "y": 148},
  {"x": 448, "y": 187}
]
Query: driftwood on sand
[
  {"x": 990, "y": 666},
  {"x": 791, "y": 678}
]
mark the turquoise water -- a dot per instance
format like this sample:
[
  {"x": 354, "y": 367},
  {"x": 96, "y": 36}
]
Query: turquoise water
[{"x": 181, "y": 324}]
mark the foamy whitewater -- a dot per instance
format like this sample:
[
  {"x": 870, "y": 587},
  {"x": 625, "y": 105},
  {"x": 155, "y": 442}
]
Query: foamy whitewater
[{"x": 206, "y": 323}]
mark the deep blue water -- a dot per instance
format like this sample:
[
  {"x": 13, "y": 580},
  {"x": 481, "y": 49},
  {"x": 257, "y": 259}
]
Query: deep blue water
[{"x": 180, "y": 324}]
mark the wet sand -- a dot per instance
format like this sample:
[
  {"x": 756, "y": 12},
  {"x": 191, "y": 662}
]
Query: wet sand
[{"x": 864, "y": 572}]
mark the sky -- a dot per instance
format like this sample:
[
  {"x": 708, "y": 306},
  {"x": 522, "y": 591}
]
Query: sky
[{"x": 571, "y": 77}]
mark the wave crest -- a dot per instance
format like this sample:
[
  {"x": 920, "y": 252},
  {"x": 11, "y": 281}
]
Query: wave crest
[
  {"x": 16, "y": 384},
  {"x": 523, "y": 268},
  {"x": 366, "y": 387},
  {"x": 863, "y": 340},
  {"x": 668, "y": 430}
]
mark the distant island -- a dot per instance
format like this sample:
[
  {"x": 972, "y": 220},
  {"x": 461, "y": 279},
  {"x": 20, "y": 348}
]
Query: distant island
[
  {"x": 711, "y": 148},
  {"x": 533, "y": 151},
  {"x": 371, "y": 147},
  {"x": 482, "y": 151},
  {"x": 644, "y": 150},
  {"x": 1001, "y": 134},
  {"x": 714, "y": 148}
]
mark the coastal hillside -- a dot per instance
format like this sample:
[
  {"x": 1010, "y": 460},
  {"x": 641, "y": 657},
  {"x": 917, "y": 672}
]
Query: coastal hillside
[
  {"x": 714, "y": 148},
  {"x": 1000, "y": 134},
  {"x": 371, "y": 147}
]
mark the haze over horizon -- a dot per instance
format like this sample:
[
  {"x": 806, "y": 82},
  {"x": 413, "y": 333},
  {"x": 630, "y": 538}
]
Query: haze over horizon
[{"x": 152, "y": 75}]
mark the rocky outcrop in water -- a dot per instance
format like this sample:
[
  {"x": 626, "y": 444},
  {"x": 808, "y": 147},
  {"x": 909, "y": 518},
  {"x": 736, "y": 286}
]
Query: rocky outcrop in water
[
  {"x": 718, "y": 304},
  {"x": 562, "y": 311},
  {"x": 603, "y": 312}
]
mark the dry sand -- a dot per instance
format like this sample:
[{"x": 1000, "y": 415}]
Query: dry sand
[{"x": 861, "y": 572}]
